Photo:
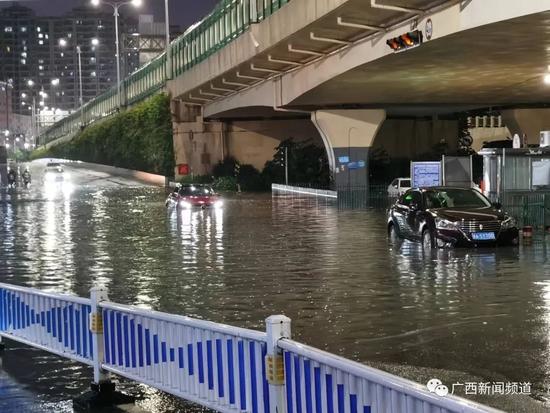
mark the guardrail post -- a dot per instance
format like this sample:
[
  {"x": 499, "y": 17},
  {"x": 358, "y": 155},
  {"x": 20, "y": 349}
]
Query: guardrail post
[
  {"x": 277, "y": 327},
  {"x": 102, "y": 390},
  {"x": 98, "y": 294}
]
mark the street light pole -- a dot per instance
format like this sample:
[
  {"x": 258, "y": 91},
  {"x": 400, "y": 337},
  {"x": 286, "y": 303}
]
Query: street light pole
[
  {"x": 168, "y": 54},
  {"x": 79, "y": 52},
  {"x": 116, "y": 6},
  {"x": 119, "y": 102}
]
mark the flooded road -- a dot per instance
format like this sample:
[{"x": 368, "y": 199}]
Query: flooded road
[{"x": 461, "y": 315}]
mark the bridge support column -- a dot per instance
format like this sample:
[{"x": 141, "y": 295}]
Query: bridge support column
[
  {"x": 198, "y": 145},
  {"x": 348, "y": 136}
]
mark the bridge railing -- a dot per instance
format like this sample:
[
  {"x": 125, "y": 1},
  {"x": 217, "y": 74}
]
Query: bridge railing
[
  {"x": 228, "y": 369},
  {"x": 225, "y": 23}
]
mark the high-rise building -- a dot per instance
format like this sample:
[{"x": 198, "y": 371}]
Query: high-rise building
[
  {"x": 41, "y": 56},
  {"x": 149, "y": 40}
]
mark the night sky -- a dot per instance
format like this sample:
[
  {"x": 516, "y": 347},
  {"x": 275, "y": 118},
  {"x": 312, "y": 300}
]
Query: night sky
[{"x": 182, "y": 12}]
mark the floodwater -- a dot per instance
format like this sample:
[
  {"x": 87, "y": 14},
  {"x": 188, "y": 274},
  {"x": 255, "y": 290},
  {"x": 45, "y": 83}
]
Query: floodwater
[{"x": 469, "y": 315}]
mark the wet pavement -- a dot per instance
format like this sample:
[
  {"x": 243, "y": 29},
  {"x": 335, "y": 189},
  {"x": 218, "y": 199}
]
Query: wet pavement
[{"x": 460, "y": 315}]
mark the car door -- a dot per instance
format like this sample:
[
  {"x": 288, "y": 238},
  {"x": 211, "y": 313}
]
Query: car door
[
  {"x": 401, "y": 212},
  {"x": 416, "y": 215}
]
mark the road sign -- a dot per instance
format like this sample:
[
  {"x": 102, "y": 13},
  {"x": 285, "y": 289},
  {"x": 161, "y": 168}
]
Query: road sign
[{"x": 425, "y": 174}]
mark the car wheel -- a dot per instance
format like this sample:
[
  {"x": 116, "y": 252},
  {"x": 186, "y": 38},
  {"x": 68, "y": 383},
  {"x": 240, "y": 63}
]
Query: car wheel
[
  {"x": 393, "y": 234},
  {"x": 427, "y": 240}
]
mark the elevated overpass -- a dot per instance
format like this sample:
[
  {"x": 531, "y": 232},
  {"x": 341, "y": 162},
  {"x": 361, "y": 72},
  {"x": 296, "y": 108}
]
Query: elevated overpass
[{"x": 254, "y": 72}]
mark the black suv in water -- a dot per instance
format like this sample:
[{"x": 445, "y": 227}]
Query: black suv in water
[{"x": 446, "y": 216}]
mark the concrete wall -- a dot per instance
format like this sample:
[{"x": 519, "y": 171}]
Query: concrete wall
[
  {"x": 254, "y": 142},
  {"x": 408, "y": 138},
  {"x": 199, "y": 144},
  {"x": 528, "y": 121},
  {"x": 482, "y": 135},
  {"x": 202, "y": 144}
]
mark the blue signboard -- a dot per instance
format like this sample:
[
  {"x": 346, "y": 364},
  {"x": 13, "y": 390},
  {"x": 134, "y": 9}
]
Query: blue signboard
[
  {"x": 343, "y": 159},
  {"x": 425, "y": 174},
  {"x": 357, "y": 165}
]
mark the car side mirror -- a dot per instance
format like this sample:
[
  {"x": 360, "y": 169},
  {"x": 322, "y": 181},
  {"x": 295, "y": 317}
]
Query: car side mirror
[{"x": 497, "y": 205}]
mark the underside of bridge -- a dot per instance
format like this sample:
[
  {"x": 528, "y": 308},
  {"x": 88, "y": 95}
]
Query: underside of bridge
[{"x": 357, "y": 93}]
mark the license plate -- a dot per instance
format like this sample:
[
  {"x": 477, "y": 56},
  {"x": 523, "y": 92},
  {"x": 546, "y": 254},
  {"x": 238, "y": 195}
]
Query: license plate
[{"x": 483, "y": 236}]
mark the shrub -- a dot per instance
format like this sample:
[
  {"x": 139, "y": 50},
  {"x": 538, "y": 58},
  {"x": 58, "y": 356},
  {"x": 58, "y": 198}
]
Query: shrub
[
  {"x": 251, "y": 179},
  {"x": 139, "y": 138},
  {"x": 196, "y": 179},
  {"x": 225, "y": 183},
  {"x": 227, "y": 167}
]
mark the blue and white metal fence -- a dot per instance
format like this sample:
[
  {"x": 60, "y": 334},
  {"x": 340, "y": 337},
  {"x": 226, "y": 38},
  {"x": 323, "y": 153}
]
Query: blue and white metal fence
[
  {"x": 55, "y": 323},
  {"x": 225, "y": 368}
]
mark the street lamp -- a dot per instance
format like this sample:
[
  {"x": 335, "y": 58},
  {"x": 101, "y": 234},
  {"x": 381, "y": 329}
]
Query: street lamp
[
  {"x": 168, "y": 56},
  {"x": 63, "y": 43},
  {"x": 116, "y": 6}
]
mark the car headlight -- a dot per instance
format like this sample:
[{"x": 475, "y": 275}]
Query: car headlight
[
  {"x": 185, "y": 204},
  {"x": 508, "y": 223},
  {"x": 441, "y": 223},
  {"x": 218, "y": 204}
]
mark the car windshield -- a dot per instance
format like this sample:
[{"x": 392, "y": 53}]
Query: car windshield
[
  {"x": 405, "y": 183},
  {"x": 455, "y": 198},
  {"x": 196, "y": 190},
  {"x": 53, "y": 165}
]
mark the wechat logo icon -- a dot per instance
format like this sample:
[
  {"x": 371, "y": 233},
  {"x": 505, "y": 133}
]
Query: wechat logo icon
[{"x": 437, "y": 387}]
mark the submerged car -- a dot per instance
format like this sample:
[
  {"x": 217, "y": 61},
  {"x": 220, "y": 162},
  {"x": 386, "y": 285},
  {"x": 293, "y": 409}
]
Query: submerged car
[
  {"x": 54, "y": 172},
  {"x": 445, "y": 216},
  {"x": 191, "y": 195}
]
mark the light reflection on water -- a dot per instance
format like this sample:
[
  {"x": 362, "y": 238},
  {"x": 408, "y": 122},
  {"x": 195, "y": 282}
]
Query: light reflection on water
[{"x": 483, "y": 312}]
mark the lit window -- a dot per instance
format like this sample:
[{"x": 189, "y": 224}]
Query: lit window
[
  {"x": 40, "y": 36},
  {"x": 61, "y": 54},
  {"x": 38, "y": 29},
  {"x": 93, "y": 74},
  {"x": 23, "y": 29},
  {"x": 24, "y": 54},
  {"x": 40, "y": 67},
  {"x": 8, "y": 29},
  {"x": 23, "y": 61},
  {"x": 41, "y": 42},
  {"x": 46, "y": 36},
  {"x": 41, "y": 61},
  {"x": 8, "y": 49}
]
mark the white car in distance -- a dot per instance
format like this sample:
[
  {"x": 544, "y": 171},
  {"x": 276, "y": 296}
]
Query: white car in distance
[
  {"x": 54, "y": 172},
  {"x": 399, "y": 186}
]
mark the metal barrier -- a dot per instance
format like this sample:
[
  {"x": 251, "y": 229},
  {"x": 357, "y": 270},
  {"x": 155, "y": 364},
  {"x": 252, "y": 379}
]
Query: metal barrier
[
  {"x": 317, "y": 381},
  {"x": 55, "y": 323},
  {"x": 217, "y": 366},
  {"x": 528, "y": 207},
  {"x": 225, "y": 368},
  {"x": 229, "y": 20}
]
